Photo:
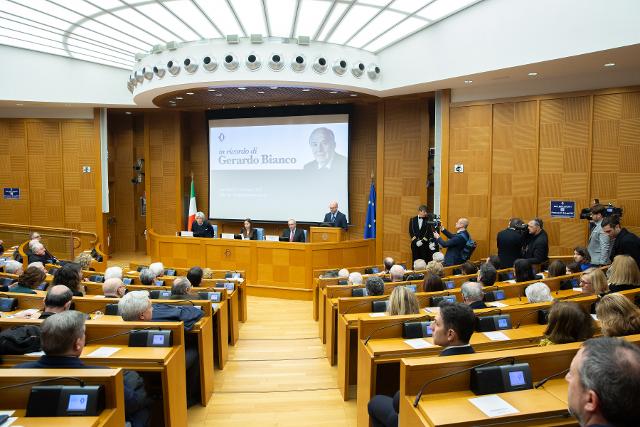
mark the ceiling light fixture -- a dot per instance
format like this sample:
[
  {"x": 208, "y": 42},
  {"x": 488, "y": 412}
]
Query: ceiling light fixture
[
  {"x": 179, "y": 97},
  {"x": 242, "y": 88},
  {"x": 532, "y": 74},
  {"x": 212, "y": 90},
  {"x": 189, "y": 93},
  {"x": 306, "y": 90},
  {"x": 468, "y": 82},
  {"x": 610, "y": 64}
]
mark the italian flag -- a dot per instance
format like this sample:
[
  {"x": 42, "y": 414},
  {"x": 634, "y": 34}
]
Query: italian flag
[{"x": 192, "y": 206}]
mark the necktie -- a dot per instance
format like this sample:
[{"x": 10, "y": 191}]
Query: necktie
[
  {"x": 333, "y": 217},
  {"x": 291, "y": 233}
]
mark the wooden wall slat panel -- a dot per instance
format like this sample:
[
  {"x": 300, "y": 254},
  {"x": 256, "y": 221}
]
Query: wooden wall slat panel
[{"x": 13, "y": 170}]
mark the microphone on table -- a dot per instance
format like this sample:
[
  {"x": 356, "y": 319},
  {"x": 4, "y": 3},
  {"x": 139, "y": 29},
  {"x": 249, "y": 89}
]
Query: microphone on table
[
  {"x": 424, "y": 386},
  {"x": 545, "y": 379},
  {"x": 47, "y": 380},
  {"x": 369, "y": 301},
  {"x": 120, "y": 334},
  {"x": 375, "y": 331}
]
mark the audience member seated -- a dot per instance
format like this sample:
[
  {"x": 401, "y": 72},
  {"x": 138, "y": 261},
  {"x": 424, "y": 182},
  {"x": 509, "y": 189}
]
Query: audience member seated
[
  {"x": 194, "y": 275},
  {"x": 28, "y": 281},
  {"x": 438, "y": 257},
  {"x": 147, "y": 277},
  {"x": 433, "y": 283},
  {"x": 397, "y": 273},
  {"x": 568, "y": 322},
  {"x": 468, "y": 268},
  {"x": 33, "y": 237},
  {"x": 355, "y": 278},
  {"x": 70, "y": 276},
  {"x": 523, "y": 271},
  {"x": 573, "y": 268},
  {"x": 494, "y": 260},
  {"x": 419, "y": 265},
  {"x": 594, "y": 282},
  {"x": 113, "y": 272},
  {"x": 452, "y": 330},
  {"x": 618, "y": 316},
  {"x": 39, "y": 253},
  {"x": 39, "y": 266},
  {"x": 84, "y": 259},
  {"x": 624, "y": 274},
  {"x": 487, "y": 274},
  {"x": 157, "y": 268},
  {"x": 181, "y": 289},
  {"x": 472, "y": 295},
  {"x": 343, "y": 276},
  {"x": 582, "y": 257},
  {"x": 402, "y": 301},
  {"x": 388, "y": 263},
  {"x": 113, "y": 288},
  {"x": 13, "y": 267},
  {"x": 63, "y": 338},
  {"x": 594, "y": 399},
  {"x": 57, "y": 300},
  {"x": 436, "y": 268},
  {"x": 375, "y": 286},
  {"x": 557, "y": 268},
  {"x": 538, "y": 292},
  {"x": 136, "y": 306}
]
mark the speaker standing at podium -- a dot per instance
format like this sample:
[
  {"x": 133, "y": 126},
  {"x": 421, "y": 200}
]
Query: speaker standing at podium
[
  {"x": 335, "y": 217},
  {"x": 201, "y": 227}
]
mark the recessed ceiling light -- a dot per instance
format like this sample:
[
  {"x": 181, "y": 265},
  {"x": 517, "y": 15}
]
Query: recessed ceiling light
[
  {"x": 212, "y": 90},
  {"x": 353, "y": 94},
  {"x": 306, "y": 90},
  {"x": 127, "y": 112},
  {"x": 610, "y": 64},
  {"x": 260, "y": 91},
  {"x": 19, "y": 105},
  {"x": 218, "y": 94},
  {"x": 179, "y": 97},
  {"x": 273, "y": 87},
  {"x": 468, "y": 82},
  {"x": 242, "y": 88},
  {"x": 333, "y": 91},
  {"x": 189, "y": 93},
  {"x": 532, "y": 74}
]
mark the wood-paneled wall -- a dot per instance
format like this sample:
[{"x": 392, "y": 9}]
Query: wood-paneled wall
[
  {"x": 44, "y": 158},
  {"x": 520, "y": 154}
]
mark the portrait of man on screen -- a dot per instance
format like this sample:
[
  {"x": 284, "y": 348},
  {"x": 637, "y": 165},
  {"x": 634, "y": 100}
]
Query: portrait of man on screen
[{"x": 323, "y": 147}]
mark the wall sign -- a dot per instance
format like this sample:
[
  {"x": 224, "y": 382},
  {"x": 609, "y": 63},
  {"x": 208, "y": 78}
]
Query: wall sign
[
  {"x": 12, "y": 193},
  {"x": 563, "y": 209}
]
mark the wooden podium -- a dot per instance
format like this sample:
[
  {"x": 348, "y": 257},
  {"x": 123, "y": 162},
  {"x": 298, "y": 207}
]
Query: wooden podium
[{"x": 326, "y": 234}]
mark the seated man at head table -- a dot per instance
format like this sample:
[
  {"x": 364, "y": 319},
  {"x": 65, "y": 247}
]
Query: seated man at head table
[
  {"x": 335, "y": 217},
  {"x": 113, "y": 288},
  {"x": 292, "y": 233},
  {"x": 136, "y": 306},
  {"x": 604, "y": 378},
  {"x": 63, "y": 338},
  {"x": 452, "y": 329},
  {"x": 201, "y": 227}
]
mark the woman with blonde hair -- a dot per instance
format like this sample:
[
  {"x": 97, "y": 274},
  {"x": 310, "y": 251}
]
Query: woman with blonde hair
[
  {"x": 207, "y": 273},
  {"x": 402, "y": 301},
  {"x": 624, "y": 274},
  {"x": 593, "y": 282},
  {"x": 618, "y": 316},
  {"x": 435, "y": 268},
  {"x": 84, "y": 259}
]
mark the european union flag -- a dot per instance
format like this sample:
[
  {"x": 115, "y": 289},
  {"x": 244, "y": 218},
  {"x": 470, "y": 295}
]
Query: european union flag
[{"x": 370, "y": 225}]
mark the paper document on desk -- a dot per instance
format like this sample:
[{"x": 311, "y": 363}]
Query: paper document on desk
[
  {"x": 380, "y": 314},
  {"x": 418, "y": 343},
  {"x": 493, "y": 406},
  {"x": 497, "y": 304},
  {"x": 9, "y": 420},
  {"x": 34, "y": 353},
  {"x": 103, "y": 352},
  {"x": 577, "y": 290},
  {"x": 496, "y": 336}
]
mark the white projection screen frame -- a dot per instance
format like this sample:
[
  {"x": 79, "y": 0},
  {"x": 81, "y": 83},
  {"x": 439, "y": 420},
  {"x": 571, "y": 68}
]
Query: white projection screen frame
[{"x": 271, "y": 169}]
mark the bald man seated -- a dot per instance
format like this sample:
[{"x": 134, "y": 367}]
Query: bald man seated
[
  {"x": 57, "y": 300},
  {"x": 335, "y": 217}
]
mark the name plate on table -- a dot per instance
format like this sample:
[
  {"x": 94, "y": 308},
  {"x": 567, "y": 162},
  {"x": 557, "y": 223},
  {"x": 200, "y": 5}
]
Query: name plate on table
[
  {"x": 227, "y": 236},
  {"x": 186, "y": 233},
  {"x": 272, "y": 238}
]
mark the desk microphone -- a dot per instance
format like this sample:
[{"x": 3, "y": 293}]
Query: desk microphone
[
  {"x": 375, "y": 331},
  {"x": 484, "y": 313},
  {"x": 545, "y": 379},
  {"x": 120, "y": 334},
  {"x": 527, "y": 314},
  {"x": 47, "y": 380},
  {"x": 369, "y": 301},
  {"x": 424, "y": 386}
]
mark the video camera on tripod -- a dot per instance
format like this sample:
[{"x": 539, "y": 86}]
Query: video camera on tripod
[{"x": 607, "y": 210}]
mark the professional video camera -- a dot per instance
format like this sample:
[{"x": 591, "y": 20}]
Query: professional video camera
[
  {"x": 608, "y": 211},
  {"x": 434, "y": 220},
  {"x": 521, "y": 228}
]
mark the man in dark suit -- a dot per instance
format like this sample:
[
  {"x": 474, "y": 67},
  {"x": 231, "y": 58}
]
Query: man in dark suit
[
  {"x": 335, "y": 217},
  {"x": 455, "y": 243},
  {"x": 536, "y": 244},
  {"x": 510, "y": 243},
  {"x": 472, "y": 295},
  {"x": 181, "y": 289},
  {"x": 624, "y": 241},
  {"x": 293, "y": 234},
  {"x": 323, "y": 146},
  {"x": 421, "y": 233},
  {"x": 452, "y": 329}
]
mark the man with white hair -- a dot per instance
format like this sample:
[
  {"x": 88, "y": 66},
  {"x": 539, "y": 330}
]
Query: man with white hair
[
  {"x": 201, "y": 227},
  {"x": 438, "y": 257},
  {"x": 13, "y": 267},
  {"x": 472, "y": 295},
  {"x": 39, "y": 253},
  {"x": 113, "y": 288},
  {"x": 157, "y": 268},
  {"x": 419, "y": 265},
  {"x": 538, "y": 292},
  {"x": 114, "y": 272},
  {"x": 39, "y": 266},
  {"x": 135, "y": 306},
  {"x": 355, "y": 278},
  {"x": 397, "y": 273}
]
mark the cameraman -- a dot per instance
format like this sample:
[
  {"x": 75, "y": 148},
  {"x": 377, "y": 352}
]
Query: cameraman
[
  {"x": 624, "y": 241},
  {"x": 456, "y": 242},
  {"x": 420, "y": 230},
  {"x": 510, "y": 242},
  {"x": 599, "y": 243},
  {"x": 536, "y": 244}
]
